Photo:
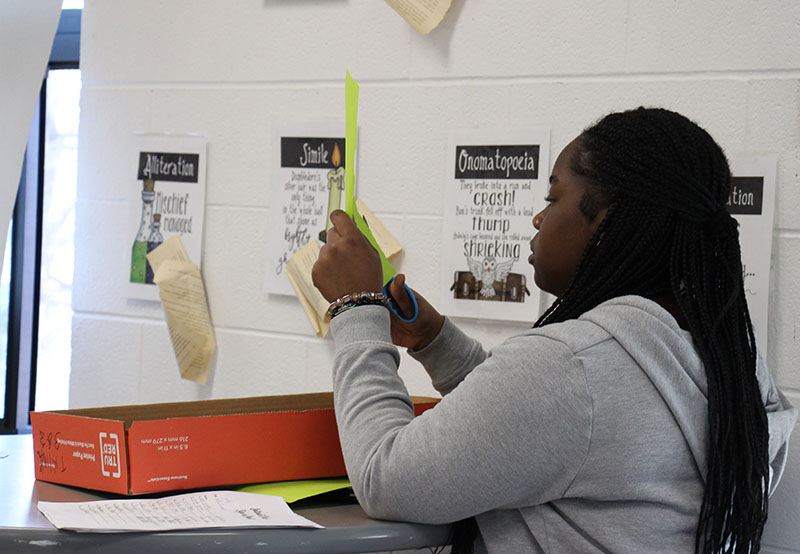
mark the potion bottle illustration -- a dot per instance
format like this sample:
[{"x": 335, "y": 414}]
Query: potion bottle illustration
[
  {"x": 153, "y": 241},
  {"x": 139, "y": 253}
]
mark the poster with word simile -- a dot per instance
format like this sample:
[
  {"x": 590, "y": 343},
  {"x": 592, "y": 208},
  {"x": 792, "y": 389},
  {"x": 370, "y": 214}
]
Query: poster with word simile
[
  {"x": 166, "y": 189},
  {"x": 752, "y": 204},
  {"x": 495, "y": 183},
  {"x": 307, "y": 184}
]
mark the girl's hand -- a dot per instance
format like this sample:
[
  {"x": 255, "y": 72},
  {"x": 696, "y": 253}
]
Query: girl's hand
[
  {"x": 424, "y": 329},
  {"x": 347, "y": 263}
]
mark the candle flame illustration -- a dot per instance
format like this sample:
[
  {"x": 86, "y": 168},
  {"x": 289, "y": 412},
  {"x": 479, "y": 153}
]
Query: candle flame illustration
[{"x": 336, "y": 157}]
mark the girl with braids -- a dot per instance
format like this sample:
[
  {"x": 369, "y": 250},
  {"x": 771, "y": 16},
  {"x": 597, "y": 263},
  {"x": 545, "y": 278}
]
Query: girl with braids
[{"x": 635, "y": 416}]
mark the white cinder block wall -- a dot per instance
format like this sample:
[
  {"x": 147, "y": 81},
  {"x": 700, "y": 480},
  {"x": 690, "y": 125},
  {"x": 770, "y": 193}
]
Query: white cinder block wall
[{"x": 226, "y": 69}]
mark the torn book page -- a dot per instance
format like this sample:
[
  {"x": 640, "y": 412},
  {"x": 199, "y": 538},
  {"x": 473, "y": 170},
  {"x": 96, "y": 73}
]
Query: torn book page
[
  {"x": 423, "y": 15},
  {"x": 183, "y": 296},
  {"x": 389, "y": 245},
  {"x": 299, "y": 272}
]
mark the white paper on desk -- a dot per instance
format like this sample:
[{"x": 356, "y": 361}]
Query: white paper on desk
[{"x": 198, "y": 510}]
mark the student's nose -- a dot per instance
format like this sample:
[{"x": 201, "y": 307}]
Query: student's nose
[{"x": 537, "y": 220}]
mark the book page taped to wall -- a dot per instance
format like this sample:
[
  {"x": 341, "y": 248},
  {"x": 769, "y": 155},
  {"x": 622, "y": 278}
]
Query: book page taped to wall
[
  {"x": 351, "y": 126},
  {"x": 183, "y": 296},
  {"x": 423, "y": 15},
  {"x": 386, "y": 241},
  {"x": 298, "y": 270}
]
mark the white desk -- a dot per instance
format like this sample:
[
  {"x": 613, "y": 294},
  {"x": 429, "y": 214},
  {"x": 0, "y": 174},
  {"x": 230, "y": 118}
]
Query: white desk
[{"x": 24, "y": 529}]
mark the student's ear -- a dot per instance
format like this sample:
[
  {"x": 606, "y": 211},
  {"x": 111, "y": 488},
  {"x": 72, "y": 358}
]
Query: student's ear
[{"x": 599, "y": 218}]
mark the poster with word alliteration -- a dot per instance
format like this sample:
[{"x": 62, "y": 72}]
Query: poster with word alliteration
[
  {"x": 307, "y": 184},
  {"x": 495, "y": 183},
  {"x": 166, "y": 196},
  {"x": 752, "y": 204}
]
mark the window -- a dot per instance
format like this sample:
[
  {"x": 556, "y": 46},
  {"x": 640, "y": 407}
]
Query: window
[
  {"x": 58, "y": 243},
  {"x": 34, "y": 373},
  {"x": 5, "y": 288}
]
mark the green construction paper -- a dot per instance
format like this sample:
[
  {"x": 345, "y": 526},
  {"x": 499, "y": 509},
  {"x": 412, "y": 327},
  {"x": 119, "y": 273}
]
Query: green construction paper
[
  {"x": 351, "y": 130},
  {"x": 292, "y": 491},
  {"x": 351, "y": 126}
]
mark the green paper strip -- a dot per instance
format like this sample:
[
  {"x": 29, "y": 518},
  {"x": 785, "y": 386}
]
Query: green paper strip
[
  {"x": 292, "y": 491},
  {"x": 351, "y": 126},
  {"x": 351, "y": 129}
]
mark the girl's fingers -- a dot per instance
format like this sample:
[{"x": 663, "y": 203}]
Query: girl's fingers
[{"x": 401, "y": 296}]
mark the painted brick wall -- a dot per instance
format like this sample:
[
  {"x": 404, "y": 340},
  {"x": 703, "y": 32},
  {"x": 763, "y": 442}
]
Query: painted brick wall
[{"x": 226, "y": 69}]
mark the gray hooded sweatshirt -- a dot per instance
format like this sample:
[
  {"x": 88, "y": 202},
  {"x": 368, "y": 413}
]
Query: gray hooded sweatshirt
[{"x": 584, "y": 436}]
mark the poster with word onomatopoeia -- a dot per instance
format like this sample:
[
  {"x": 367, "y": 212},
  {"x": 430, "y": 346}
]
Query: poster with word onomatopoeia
[
  {"x": 495, "y": 183},
  {"x": 166, "y": 196},
  {"x": 307, "y": 184},
  {"x": 752, "y": 203}
]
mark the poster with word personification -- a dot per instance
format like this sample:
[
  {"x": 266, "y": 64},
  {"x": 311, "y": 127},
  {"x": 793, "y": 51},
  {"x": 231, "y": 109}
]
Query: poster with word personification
[
  {"x": 495, "y": 183},
  {"x": 307, "y": 184},
  {"x": 752, "y": 203},
  {"x": 166, "y": 187}
]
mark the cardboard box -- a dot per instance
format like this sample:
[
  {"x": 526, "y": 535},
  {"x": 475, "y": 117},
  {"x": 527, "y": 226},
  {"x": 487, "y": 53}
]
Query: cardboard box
[{"x": 186, "y": 445}]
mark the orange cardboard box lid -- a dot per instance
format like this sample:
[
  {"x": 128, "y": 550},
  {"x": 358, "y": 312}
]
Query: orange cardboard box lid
[{"x": 183, "y": 445}]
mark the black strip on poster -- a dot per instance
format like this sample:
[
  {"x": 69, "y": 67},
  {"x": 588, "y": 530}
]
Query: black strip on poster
[
  {"x": 497, "y": 162},
  {"x": 169, "y": 166},
  {"x": 312, "y": 152},
  {"x": 747, "y": 195}
]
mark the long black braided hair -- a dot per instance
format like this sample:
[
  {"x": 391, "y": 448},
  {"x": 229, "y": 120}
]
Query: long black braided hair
[{"x": 667, "y": 235}]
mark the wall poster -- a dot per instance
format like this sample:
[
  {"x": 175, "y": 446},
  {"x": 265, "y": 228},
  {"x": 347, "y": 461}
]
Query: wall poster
[
  {"x": 495, "y": 183},
  {"x": 166, "y": 197},
  {"x": 307, "y": 185},
  {"x": 752, "y": 203}
]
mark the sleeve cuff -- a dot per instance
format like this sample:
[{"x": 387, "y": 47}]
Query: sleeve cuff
[
  {"x": 359, "y": 324},
  {"x": 449, "y": 352}
]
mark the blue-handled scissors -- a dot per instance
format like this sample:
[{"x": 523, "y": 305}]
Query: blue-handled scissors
[{"x": 395, "y": 307}]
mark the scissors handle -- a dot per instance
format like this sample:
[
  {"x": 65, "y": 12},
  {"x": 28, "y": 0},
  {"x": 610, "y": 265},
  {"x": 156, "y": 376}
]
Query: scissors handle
[{"x": 396, "y": 308}]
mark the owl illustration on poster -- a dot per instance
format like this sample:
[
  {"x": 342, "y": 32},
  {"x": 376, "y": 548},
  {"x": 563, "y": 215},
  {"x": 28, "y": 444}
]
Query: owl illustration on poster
[{"x": 487, "y": 272}]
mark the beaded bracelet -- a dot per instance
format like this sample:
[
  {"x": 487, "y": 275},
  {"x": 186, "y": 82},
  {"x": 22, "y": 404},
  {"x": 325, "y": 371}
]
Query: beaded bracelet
[{"x": 364, "y": 298}]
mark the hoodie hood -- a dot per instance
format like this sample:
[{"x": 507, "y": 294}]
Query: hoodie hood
[{"x": 652, "y": 337}]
